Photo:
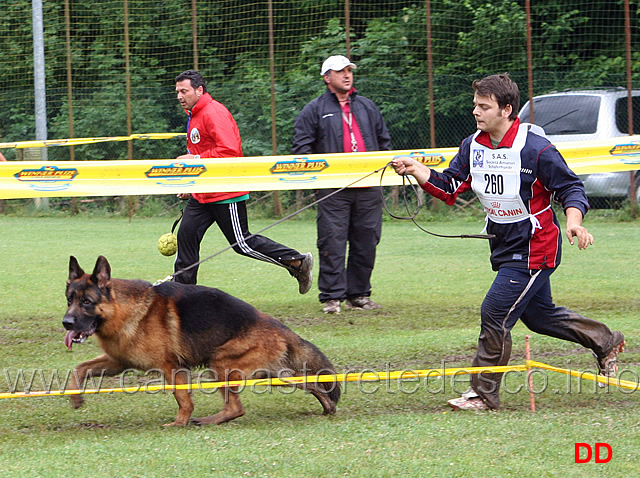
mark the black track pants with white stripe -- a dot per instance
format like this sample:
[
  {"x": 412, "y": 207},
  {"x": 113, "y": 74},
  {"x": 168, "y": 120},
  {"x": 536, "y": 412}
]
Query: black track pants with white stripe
[{"x": 232, "y": 220}]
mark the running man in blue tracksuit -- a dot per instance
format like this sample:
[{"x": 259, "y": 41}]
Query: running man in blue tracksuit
[{"x": 515, "y": 172}]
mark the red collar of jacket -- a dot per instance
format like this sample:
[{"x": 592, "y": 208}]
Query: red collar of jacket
[
  {"x": 204, "y": 100},
  {"x": 507, "y": 141}
]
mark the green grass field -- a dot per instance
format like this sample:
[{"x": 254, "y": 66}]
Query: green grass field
[{"x": 431, "y": 290}]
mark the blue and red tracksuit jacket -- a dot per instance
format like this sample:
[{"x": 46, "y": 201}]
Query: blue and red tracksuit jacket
[{"x": 544, "y": 176}]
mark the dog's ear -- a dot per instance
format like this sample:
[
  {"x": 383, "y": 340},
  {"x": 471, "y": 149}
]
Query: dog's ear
[
  {"x": 102, "y": 273},
  {"x": 75, "y": 271}
]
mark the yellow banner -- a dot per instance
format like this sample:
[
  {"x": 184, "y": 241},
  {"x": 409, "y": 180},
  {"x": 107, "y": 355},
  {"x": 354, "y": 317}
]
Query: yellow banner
[{"x": 29, "y": 179}]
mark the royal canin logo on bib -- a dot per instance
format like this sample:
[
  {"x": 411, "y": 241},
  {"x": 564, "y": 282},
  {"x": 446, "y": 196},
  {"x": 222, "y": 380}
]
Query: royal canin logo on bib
[{"x": 496, "y": 204}]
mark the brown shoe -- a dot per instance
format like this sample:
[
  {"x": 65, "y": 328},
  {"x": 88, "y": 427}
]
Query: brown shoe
[
  {"x": 331, "y": 307},
  {"x": 303, "y": 273},
  {"x": 608, "y": 365},
  {"x": 362, "y": 303}
]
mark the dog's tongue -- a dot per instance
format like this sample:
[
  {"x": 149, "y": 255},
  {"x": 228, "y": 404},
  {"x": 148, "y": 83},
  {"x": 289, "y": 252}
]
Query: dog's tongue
[{"x": 68, "y": 339}]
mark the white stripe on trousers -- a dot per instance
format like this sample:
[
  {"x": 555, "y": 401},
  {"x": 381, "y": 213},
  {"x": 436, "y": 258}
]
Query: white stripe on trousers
[
  {"x": 524, "y": 293},
  {"x": 242, "y": 244}
]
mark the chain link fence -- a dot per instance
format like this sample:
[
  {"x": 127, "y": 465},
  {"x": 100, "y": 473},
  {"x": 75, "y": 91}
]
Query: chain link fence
[{"x": 109, "y": 65}]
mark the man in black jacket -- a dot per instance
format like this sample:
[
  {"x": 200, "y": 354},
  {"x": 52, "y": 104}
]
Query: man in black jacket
[{"x": 341, "y": 121}]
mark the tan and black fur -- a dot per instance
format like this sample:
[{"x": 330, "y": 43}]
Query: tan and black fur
[{"x": 174, "y": 327}]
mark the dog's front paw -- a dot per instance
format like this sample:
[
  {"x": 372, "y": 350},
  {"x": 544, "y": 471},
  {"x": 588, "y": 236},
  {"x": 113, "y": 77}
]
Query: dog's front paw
[
  {"x": 76, "y": 401},
  {"x": 174, "y": 424}
]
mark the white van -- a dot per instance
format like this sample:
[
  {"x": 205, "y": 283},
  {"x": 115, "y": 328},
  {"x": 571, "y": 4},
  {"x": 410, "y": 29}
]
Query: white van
[{"x": 579, "y": 115}]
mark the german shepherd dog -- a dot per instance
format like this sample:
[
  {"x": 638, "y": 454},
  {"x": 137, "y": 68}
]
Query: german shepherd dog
[{"x": 174, "y": 327}]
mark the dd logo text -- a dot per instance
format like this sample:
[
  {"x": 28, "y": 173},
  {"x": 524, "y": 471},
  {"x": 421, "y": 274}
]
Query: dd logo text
[{"x": 596, "y": 452}]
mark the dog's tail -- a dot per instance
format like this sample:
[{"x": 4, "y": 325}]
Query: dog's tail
[{"x": 307, "y": 359}]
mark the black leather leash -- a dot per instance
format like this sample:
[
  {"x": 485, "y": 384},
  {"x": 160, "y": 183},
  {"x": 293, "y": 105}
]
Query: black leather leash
[
  {"x": 406, "y": 182},
  {"x": 171, "y": 276},
  {"x": 382, "y": 169}
]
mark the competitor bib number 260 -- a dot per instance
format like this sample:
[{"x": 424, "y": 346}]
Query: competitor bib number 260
[
  {"x": 494, "y": 184},
  {"x": 496, "y": 180}
]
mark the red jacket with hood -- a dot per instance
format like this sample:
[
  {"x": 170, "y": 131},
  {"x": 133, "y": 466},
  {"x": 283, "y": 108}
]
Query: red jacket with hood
[{"x": 213, "y": 133}]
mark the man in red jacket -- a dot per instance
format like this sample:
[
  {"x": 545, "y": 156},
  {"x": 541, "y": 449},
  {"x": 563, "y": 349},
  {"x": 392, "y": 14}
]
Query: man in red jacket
[{"x": 213, "y": 133}]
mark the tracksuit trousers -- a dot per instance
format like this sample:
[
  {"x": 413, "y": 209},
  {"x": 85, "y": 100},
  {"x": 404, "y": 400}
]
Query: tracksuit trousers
[
  {"x": 353, "y": 216},
  {"x": 526, "y": 295},
  {"x": 231, "y": 218}
]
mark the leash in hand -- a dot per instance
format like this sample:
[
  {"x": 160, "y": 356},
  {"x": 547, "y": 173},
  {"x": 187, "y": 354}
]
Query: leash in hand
[{"x": 406, "y": 183}]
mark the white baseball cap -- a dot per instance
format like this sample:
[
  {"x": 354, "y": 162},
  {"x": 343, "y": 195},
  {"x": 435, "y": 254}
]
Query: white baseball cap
[{"x": 336, "y": 63}]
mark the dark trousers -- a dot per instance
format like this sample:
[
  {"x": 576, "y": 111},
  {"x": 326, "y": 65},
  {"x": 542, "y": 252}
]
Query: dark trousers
[
  {"x": 232, "y": 220},
  {"x": 526, "y": 295},
  {"x": 353, "y": 216}
]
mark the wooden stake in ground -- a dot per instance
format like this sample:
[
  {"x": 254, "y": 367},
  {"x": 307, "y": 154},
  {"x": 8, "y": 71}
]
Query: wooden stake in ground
[{"x": 532, "y": 398}]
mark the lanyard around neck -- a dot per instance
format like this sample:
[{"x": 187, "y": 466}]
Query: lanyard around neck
[{"x": 349, "y": 121}]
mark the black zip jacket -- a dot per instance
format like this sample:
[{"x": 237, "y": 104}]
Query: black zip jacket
[{"x": 318, "y": 128}]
